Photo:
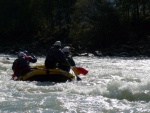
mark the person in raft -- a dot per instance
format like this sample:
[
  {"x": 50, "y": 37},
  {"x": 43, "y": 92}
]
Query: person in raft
[
  {"x": 21, "y": 64},
  {"x": 69, "y": 58},
  {"x": 55, "y": 57}
]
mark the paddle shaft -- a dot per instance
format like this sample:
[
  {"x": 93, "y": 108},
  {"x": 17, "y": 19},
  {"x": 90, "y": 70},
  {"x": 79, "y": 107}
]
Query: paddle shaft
[{"x": 78, "y": 78}]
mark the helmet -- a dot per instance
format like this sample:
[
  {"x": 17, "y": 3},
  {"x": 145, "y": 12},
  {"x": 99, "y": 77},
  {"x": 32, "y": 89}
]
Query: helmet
[
  {"x": 58, "y": 43},
  {"x": 21, "y": 54},
  {"x": 66, "y": 49}
]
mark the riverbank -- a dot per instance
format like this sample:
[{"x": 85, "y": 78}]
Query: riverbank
[{"x": 141, "y": 48}]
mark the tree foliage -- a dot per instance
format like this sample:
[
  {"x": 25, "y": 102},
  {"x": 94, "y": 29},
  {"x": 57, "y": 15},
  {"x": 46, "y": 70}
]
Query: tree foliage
[{"x": 91, "y": 23}]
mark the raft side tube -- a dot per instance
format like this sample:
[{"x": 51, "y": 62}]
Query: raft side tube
[{"x": 54, "y": 75}]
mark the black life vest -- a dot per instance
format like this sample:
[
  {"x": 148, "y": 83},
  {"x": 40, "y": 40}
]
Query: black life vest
[{"x": 20, "y": 66}]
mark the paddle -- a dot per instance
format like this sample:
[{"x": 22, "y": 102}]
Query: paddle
[
  {"x": 75, "y": 72},
  {"x": 81, "y": 70},
  {"x": 74, "y": 69}
]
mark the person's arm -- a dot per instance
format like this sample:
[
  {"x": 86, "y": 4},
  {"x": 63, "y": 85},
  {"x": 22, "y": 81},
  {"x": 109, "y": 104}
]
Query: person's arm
[{"x": 32, "y": 58}]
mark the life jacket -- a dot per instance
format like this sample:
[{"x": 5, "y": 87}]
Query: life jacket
[
  {"x": 21, "y": 66},
  {"x": 27, "y": 59},
  {"x": 54, "y": 57}
]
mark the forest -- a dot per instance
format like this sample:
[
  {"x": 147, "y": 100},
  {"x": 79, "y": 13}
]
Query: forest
[{"x": 113, "y": 27}]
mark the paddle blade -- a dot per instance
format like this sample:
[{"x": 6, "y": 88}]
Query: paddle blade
[
  {"x": 82, "y": 70},
  {"x": 75, "y": 70}
]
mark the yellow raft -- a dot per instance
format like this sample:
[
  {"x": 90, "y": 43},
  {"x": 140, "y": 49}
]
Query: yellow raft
[{"x": 40, "y": 73}]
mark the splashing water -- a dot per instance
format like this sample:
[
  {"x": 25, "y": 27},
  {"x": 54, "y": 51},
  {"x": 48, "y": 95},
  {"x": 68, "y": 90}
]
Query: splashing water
[{"x": 112, "y": 85}]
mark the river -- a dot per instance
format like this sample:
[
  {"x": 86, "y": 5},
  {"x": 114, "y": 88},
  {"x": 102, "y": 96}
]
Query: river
[{"x": 113, "y": 85}]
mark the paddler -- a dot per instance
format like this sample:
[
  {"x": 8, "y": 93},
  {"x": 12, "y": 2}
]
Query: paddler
[
  {"x": 21, "y": 64},
  {"x": 55, "y": 56}
]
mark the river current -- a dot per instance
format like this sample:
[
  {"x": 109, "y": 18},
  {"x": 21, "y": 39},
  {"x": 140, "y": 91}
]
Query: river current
[{"x": 113, "y": 85}]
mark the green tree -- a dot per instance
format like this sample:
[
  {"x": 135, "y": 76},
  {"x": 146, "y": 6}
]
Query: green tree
[{"x": 95, "y": 22}]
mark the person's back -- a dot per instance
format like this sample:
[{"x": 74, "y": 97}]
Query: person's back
[
  {"x": 55, "y": 56},
  {"x": 20, "y": 65},
  {"x": 50, "y": 61}
]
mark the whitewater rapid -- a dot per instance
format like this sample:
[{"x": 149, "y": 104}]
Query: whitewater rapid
[{"x": 113, "y": 85}]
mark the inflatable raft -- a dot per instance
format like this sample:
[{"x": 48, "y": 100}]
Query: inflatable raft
[{"x": 40, "y": 73}]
